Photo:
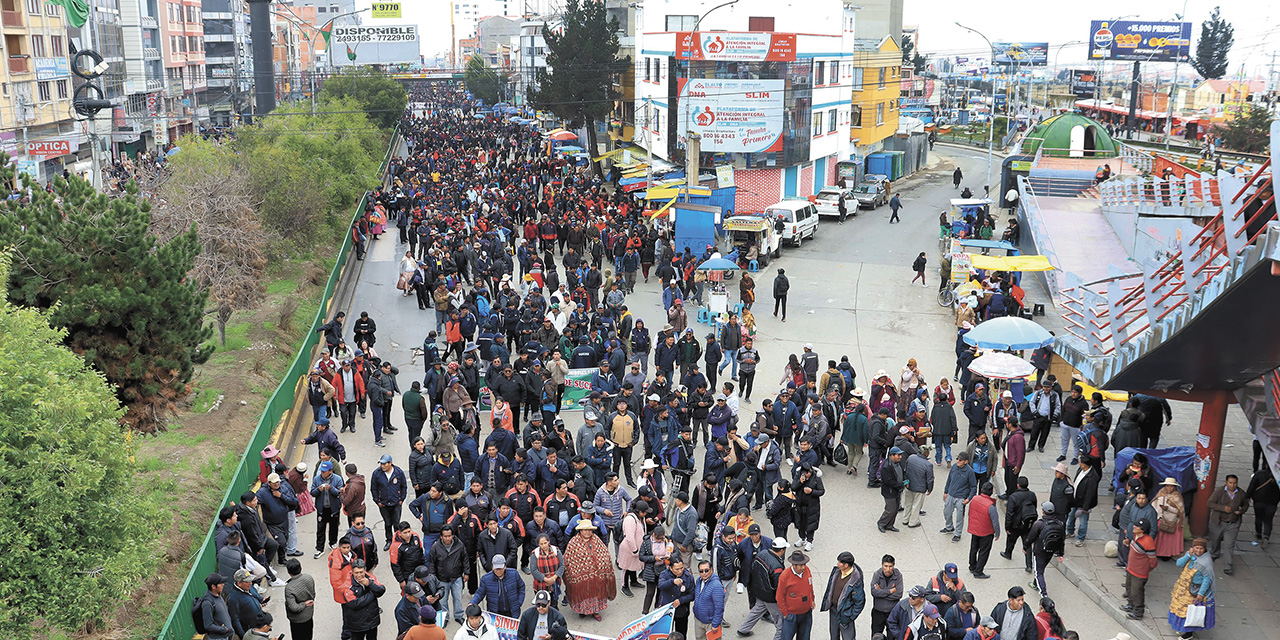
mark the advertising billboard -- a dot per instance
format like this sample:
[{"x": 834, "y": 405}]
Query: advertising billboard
[
  {"x": 1084, "y": 83},
  {"x": 380, "y": 44},
  {"x": 1024, "y": 54},
  {"x": 735, "y": 46},
  {"x": 735, "y": 116},
  {"x": 1139, "y": 40}
]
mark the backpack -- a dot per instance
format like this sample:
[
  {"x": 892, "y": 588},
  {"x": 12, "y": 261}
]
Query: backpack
[
  {"x": 1053, "y": 537},
  {"x": 197, "y": 613}
]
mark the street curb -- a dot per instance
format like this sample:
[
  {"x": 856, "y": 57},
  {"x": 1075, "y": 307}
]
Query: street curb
[{"x": 1095, "y": 593}]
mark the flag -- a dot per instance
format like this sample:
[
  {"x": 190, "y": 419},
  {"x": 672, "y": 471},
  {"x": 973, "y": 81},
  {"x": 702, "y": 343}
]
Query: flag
[
  {"x": 351, "y": 55},
  {"x": 327, "y": 31},
  {"x": 77, "y": 11}
]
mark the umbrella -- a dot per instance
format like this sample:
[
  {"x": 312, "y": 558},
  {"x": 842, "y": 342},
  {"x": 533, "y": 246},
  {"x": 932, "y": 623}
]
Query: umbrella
[
  {"x": 563, "y": 135},
  {"x": 173, "y": 151},
  {"x": 718, "y": 264},
  {"x": 1009, "y": 332},
  {"x": 1001, "y": 366}
]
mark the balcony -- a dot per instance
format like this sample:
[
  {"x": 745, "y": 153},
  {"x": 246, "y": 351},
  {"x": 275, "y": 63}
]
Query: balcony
[
  {"x": 150, "y": 53},
  {"x": 149, "y": 22},
  {"x": 155, "y": 84},
  {"x": 11, "y": 18},
  {"x": 19, "y": 64}
]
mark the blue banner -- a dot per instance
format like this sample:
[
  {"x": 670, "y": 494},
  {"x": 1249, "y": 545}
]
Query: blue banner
[{"x": 654, "y": 626}]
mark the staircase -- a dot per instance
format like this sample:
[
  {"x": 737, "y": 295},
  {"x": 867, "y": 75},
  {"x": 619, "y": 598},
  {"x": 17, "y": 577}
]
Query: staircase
[
  {"x": 1059, "y": 186},
  {"x": 1259, "y": 399}
]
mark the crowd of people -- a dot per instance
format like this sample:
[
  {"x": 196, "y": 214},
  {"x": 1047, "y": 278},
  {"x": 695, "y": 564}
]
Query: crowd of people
[{"x": 665, "y": 489}]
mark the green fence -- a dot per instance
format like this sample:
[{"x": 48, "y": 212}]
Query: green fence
[{"x": 179, "y": 625}]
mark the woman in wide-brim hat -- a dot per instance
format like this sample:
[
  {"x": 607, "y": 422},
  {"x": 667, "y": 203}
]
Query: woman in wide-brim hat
[
  {"x": 588, "y": 574},
  {"x": 1170, "y": 519}
]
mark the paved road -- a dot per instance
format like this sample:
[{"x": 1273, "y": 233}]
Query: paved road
[{"x": 850, "y": 295}]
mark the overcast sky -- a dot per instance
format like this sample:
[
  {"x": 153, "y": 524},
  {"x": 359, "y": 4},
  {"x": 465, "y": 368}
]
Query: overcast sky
[{"x": 1257, "y": 25}]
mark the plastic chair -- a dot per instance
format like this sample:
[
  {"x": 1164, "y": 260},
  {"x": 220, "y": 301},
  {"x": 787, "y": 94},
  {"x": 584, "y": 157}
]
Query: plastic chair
[
  {"x": 737, "y": 309},
  {"x": 754, "y": 266},
  {"x": 704, "y": 315}
]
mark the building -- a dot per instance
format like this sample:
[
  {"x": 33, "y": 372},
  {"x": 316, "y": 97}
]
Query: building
[
  {"x": 1216, "y": 97},
  {"x": 622, "y": 121},
  {"x": 766, "y": 93},
  {"x": 182, "y": 37},
  {"x": 36, "y": 98},
  {"x": 532, "y": 57},
  {"x": 879, "y": 18},
  {"x": 228, "y": 60},
  {"x": 467, "y": 15},
  {"x": 876, "y": 85},
  {"x": 297, "y": 49},
  {"x": 498, "y": 38}
]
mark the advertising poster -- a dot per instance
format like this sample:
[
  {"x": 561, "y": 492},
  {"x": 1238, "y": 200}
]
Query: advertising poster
[
  {"x": 382, "y": 44},
  {"x": 1035, "y": 54},
  {"x": 386, "y": 10},
  {"x": 742, "y": 116},
  {"x": 731, "y": 46},
  {"x": 577, "y": 386},
  {"x": 1084, "y": 83},
  {"x": 1139, "y": 40}
]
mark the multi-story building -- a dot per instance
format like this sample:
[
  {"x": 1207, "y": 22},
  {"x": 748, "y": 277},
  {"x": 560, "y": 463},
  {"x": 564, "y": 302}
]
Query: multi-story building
[
  {"x": 228, "y": 59},
  {"x": 182, "y": 34},
  {"x": 36, "y": 89},
  {"x": 144, "y": 85},
  {"x": 622, "y": 121},
  {"x": 496, "y": 35},
  {"x": 767, "y": 91},
  {"x": 532, "y": 56},
  {"x": 466, "y": 16},
  {"x": 876, "y": 85}
]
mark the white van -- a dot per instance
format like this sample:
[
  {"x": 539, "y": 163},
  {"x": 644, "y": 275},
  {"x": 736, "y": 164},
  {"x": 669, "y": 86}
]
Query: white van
[{"x": 799, "y": 219}]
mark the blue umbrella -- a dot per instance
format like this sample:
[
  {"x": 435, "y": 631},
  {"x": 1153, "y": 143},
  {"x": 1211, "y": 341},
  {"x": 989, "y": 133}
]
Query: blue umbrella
[
  {"x": 718, "y": 264},
  {"x": 1009, "y": 332}
]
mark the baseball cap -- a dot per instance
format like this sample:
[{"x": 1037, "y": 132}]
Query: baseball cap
[
  {"x": 916, "y": 592},
  {"x": 243, "y": 575},
  {"x": 727, "y": 530},
  {"x": 931, "y": 610},
  {"x": 541, "y": 597},
  {"x": 499, "y": 561},
  {"x": 326, "y": 466},
  {"x": 895, "y": 451},
  {"x": 214, "y": 578},
  {"x": 386, "y": 457},
  {"x": 950, "y": 570},
  {"x": 753, "y": 529},
  {"x": 990, "y": 623},
  {"x": 411, "y": 587},
  {"x": 780, "y": 543},
  {"x": 275, "y": 477}
]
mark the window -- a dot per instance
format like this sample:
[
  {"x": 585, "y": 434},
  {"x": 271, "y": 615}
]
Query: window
[
  {"x": 37, "y": 47},
  {"x": 195, "y": 43},
  {"x": 817, "y": 124},
  {"x": 880, "y": 113},
  {"x": 51, "y": 9},
  {"x": 760, "y": 23},
  {"x": 835, "y": 72},
  {"x": 855, "y": 117},
  {"x": 44, "y": 91},
  {"x": 4, "y": 88},
  {"x": 681, "y": 23},
  {"x": 648, "y": 75},
  {"x": 831, "y": 121},
  {"x": 657, "y": 121},
  {"x": 55, "y": 46},
  {"x": 882, "y": 74},
  {"x": 33, "y": 7},
  {"x": 855, "y": 78},
  {"x": 62, "y": 89},
  {"x": 819, "y": 73}
]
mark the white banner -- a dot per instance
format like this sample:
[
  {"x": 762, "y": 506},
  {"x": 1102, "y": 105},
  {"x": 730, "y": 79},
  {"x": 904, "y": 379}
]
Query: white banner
[{"x": 743, "y": 116}]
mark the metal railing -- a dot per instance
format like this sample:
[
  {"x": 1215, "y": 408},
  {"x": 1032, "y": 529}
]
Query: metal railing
[
  {"x": 277, "y": 412},
  {"x": 1139, "y": 159},
  {"x": 1157, "y": 192}
]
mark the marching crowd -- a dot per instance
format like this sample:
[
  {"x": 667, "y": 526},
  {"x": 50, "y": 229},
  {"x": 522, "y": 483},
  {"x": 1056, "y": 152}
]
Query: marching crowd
[{"x": 664, "y": 491}]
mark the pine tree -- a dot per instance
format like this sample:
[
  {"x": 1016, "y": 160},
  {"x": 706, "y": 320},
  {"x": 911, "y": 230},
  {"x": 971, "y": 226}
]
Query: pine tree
[
  {"x": 1249, "y": 131},
  {"x": 583, "y": 59},
  {"x": 483, "y": 81},
  {"x": 1216, "y": 37},
  {"x": 124, "y": 298}
]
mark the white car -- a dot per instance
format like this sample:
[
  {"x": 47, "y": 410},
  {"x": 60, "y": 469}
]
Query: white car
[
  {"x": 828, "y": 201},
  {"x": 799, "y": 219}
]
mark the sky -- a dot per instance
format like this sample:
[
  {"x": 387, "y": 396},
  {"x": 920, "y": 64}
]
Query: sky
[{"x": 1257, "y": 25}]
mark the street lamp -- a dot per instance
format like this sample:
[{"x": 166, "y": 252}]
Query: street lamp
[
  {"x": 991, "y": 113},
  {"x": 1055, "y": 68}
]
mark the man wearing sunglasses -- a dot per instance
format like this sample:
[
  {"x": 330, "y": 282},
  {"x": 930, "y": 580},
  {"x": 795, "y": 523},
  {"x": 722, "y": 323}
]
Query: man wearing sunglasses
[
  {"x": 708, "y": 603},
  {"x": 536, "y": 622}
]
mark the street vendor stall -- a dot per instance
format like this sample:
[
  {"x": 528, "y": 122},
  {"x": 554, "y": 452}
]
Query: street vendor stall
[{"x": 751, "y": 238}]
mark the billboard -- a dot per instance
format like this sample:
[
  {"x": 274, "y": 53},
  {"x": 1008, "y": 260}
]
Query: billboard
[
  {"x": 735, "y": 46},
  {"x": 386, "y": 10},
  {"x": 1138, "y": 40},
  {"x": 1024, "y": 54},
  {"x": 735, "y": 116},
  {"x": 52, "y": 68},
  {"x": 380, "y": 44},
  {"x": 1084, "y": 83}
]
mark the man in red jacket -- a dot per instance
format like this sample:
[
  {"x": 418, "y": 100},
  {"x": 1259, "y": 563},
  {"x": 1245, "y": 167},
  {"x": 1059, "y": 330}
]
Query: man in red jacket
[
  {"x": 984, "y": 529},
  {"x": 795, "y": 598}
]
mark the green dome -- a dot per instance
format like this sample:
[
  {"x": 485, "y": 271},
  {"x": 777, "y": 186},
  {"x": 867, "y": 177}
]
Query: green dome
[{"x": 1070, "y": 135}]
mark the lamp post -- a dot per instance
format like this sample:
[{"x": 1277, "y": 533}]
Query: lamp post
[
  {"x": 693, "y": 157},
  {"x": 1055, "y": 68},
  {"x": 1177, "y": 63},
  {"x": 991, "y": 114}
]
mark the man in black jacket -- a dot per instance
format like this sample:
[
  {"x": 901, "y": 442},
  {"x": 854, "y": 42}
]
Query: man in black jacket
[
  {"x": 529, "y": 619},
  {"x": 781, "y": 285},
  {"x": 1084, "y": 499},
  {"x": 766, "y": 568},
  {"x": 1019, "y": 515},
  {"x": 361, "y": 614},
  {"x": 407, "y": 553},
  {"x": 891, "y": 485},
  {"x": 259, "y": 542},
  {"x": 449, "y": 561},
  {"x": 1014, "y": 612}
]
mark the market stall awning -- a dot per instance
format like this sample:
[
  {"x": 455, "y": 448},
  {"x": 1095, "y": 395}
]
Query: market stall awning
[{"x": 1010, "y": 263}]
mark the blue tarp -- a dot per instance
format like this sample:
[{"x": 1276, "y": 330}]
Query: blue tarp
[
  {"x": 1178, "y": 463},
  {"x": 988, "y": 244}
]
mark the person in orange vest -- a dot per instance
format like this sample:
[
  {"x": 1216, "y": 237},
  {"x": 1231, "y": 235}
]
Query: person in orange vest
[
  {"x": 984, "y": 529},
  {"x": 340, "y": 558},
  {"x": 795, "y": 598}
]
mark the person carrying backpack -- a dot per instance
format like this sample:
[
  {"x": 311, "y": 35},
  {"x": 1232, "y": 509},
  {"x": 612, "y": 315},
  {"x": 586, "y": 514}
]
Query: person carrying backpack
[
  {"x": 1092, "y": 444},
  {"x": 1047, "y": 538},
  {"x": 209, "y": 611}
]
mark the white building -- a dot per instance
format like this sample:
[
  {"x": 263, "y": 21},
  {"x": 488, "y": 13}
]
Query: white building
[{"x": 766, "y": 87}]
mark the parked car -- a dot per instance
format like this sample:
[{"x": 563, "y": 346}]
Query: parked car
[
  {"x": 797, "y": 219},
  {"x": 828, "y": 201},
  {"x": 872, "y": 192}
]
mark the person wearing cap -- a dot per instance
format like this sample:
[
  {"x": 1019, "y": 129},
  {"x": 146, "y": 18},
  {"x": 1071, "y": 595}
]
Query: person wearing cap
[
  {"x": 325, "y": 438},
  {"x": 689, "y": 351},
  {"x": 501, "y": 590},
  {"x": 244, "y": 604},
  {"x": 1046, "y": 407},
  {"x": 905, "y": 615},
  {"x": 213, "y": 609},
  {"x": 1061, "y": 491},
  {"x": 277, "y": 500},
  {"x": 349, "y": 391},
  {"x": 930, "y": 626},
  {"x": 984, "y": 529},
  {"x": 988, "y": 630},
  {"x": 1046, "y": 539},
  {"x": 845, "y": 597},
  {"x": 319, "y": 393},
  {"x": 406, "y": 612},
  {"x": 892, "y": 482},
  {"x": 766, "y": 458},
  {"x": 960, "y": 488},
  {"x": 536, "y": 621},
  {"x": 389, "y": 489},
  {"x": 361, "y": 614},
  {"x": 326, "y": 490},
  {"x": 944, "y": 589},
  {"x": 382, "y": 387},
  {"x": 1136, "y": 508},
  {"x": 1013, "y": 618},
  {"x": 1142, "y": 559},
  {"x": 766, "y": 569},
  {"x": 855, "y": 431},
  {"x": 977, "y": 408}
]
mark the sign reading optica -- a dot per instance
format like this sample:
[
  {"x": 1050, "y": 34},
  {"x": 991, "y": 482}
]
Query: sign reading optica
[
  {"x": 386, "y": 10},
  {"x": 731, "y": 46},
  {"x": 1137, "y": 40},
  {"x": 1021, "y": 53},
  {"x": 743, "y": 116}
]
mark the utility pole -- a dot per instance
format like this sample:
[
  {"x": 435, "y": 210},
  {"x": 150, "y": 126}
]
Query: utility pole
[{"x": 1132, "y": 120}]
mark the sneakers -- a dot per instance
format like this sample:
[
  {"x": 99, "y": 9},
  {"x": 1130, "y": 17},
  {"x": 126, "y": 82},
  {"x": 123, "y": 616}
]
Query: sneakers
[
  {"x": 278, "y": 583},
  {"x": 800, "y": 543},
  {"x": 1061, "y": 458},
  {"x": 294, "y": 554},
  {"x": 317, "y": 555},
  {"x": 626, "y": 591},
  {"x": 379, "y": 443},
  {"x": 955, "y": 538},
  {"x": 808, "y": 546},
  {"x": 946, "y": 530},
  {"x": 981, "y": 576},
  {"x": 1079, "y": 543},
  {"x": 1034, "y": 587},
  {"x": 740, "y": 589}
]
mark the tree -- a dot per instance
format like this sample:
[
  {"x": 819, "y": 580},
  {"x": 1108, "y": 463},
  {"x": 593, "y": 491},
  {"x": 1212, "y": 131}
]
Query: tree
[
  {"x": 911, "y": 57},
  {"x": 1216, "y": 37},
  {"x": 483, "y": 81},
  {"x": 203, "y": 187},
  {"x": 79, "y": 536},
  {"x": 583, "y": 58},
  {"x": 1248, "y": 132},
  {"x": 381, "y": 97},
  {"x": 123, "y": 296}
]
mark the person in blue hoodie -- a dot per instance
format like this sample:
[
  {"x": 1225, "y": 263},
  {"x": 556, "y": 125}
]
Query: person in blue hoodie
[
  {"x": 389, "y": 489},
  {"x": 468, "y": 454},
  {"x": 434, "y": 509},
  {"x": 447, "y": 472}
]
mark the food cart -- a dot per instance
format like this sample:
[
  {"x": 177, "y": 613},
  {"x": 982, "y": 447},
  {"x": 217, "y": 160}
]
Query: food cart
[{"x": 751, "y": 235}]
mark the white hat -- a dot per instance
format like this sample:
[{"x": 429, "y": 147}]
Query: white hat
[
  {"x": 302, "y": 467},
  {"x": 808, "y": 345},
  {"x": 880, "y": 374},
  {"x": 779, "y": 543},
  {"x": 649, "y": 464},
  {"x": 654, "y": 398},
  {"x": 1006, "y": 394}
]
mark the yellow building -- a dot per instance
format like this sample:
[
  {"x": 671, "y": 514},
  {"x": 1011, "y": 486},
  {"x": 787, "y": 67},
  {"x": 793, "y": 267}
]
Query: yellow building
[
  {"x": 35, "y": 88},
  {"x": 876, "y": 87},
  {"x": 1220, "y": 96}
]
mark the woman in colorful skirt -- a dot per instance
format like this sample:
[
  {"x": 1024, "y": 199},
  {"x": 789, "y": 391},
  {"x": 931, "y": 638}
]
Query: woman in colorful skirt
[
  {"x": 1194, "y": 587},
  {"x": 548, "y": 569},
  {"x": 1170, "y": 518},
  {"x": 588, "y": 575}
]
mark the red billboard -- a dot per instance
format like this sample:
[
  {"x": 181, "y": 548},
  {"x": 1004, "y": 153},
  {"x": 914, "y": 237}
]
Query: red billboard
[
  {"x": 48, "y": 148},
  {"x": 735, "y": 46}
]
